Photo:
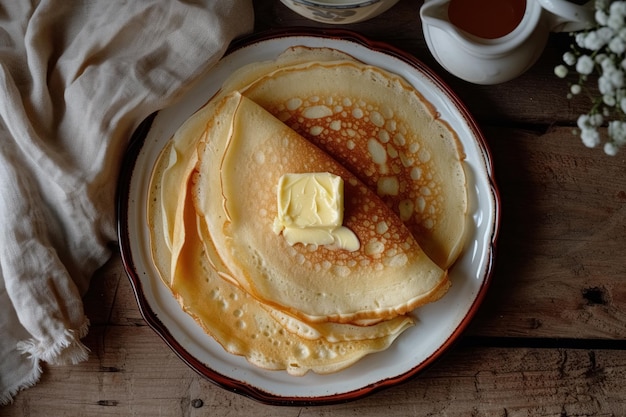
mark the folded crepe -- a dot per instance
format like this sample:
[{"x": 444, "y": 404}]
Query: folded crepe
[
  {"x": 379, "y": 127},
  {"x": 213, "y": 207},
  {"x": 267, "y": 337},
  {"x": 240, "y": 165}
]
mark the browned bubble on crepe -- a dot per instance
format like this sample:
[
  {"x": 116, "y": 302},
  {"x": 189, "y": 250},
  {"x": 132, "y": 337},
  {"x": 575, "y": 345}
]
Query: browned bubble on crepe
[{"x": 389, "y": 274}]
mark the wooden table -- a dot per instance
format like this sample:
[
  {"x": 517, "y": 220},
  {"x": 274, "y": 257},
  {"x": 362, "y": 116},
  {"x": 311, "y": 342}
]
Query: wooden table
[{"x": 550, "y": 339}]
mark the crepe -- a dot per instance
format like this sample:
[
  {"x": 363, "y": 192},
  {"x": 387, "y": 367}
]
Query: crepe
[
  {"x": 379, "y": 127},
  {"x": 266, "y": 337},
  {"x": 382, "y": 130},
  {"x": 387, "y": 276},
  {"x": 210, "y": 210}
]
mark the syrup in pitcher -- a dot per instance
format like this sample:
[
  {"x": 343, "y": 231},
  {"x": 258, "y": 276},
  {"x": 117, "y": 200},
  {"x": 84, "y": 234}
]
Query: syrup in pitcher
[{"x": 488, "y": 19}]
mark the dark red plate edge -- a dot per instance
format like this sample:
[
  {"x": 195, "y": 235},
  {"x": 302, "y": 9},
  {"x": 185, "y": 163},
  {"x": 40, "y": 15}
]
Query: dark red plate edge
[{"x": 243, "y": 388}]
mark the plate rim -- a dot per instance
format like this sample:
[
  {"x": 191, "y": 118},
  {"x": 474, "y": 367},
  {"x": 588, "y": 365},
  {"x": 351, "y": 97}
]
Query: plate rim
[{"x": 241, "y": 387}]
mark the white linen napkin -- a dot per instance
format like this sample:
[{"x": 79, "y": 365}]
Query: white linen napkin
[{"x": 76, "y": 78}]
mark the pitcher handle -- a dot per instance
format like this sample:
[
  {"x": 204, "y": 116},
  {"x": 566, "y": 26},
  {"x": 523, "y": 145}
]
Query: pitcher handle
[{"x": 569, "y": 17}]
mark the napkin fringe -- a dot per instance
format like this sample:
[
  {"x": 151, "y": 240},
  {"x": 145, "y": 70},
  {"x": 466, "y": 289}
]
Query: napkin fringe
[
  {"x": 68, "y": 349},
  {"x": 7, "y": 396}
]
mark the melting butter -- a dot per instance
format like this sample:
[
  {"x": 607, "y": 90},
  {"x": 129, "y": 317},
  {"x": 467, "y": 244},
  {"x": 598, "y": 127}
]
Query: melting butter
[{"x": 310, "y": 211}]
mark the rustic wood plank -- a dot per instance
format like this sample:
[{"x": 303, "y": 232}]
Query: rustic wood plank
[
  {"x": 131, "y": 372},
  {"x": 559, "y": 269},
  {"x": 110, "y": 299}
]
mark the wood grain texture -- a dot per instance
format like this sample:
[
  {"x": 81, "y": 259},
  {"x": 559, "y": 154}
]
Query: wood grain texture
[
  {"x": 549, "y": 340},
  {"x": 132, "y": 373},
  {"x": 560, "y": 268}
]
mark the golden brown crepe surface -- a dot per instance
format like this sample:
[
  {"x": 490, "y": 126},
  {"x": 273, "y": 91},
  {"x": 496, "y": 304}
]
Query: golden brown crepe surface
[
  {"x": 268, "y": 338},
  {"x": 267, "y": 334},
  {"x": 383, "y": 131},
  {"x": 387, "y": 276}
]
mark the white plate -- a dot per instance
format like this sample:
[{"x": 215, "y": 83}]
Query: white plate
[{"x": 439, "y": 324}]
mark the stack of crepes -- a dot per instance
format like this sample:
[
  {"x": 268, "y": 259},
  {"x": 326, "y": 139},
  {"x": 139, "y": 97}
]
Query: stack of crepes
[{"x": 305, "y": 307}]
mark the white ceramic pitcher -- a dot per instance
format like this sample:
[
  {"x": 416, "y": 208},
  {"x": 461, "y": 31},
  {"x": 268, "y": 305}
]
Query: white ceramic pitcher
[{"x": 492, "y": 61}]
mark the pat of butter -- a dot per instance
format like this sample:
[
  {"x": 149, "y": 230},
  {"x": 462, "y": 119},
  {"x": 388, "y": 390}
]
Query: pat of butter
[{"x": 310, "y": 210}]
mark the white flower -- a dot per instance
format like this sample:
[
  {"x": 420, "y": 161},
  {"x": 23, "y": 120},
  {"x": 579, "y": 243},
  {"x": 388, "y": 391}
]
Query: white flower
[
  {"x": 596, "y": 39},
  {"x": 604, "y": 85},
  {"x": 602, "y": 4},
  {"x": 617, "y": 45},
  {"x": 610, "y": 149},
  {"x": 561, "y": 71},
  {"x": 592, "y": 41},
  {"x": 616, "y": 77},
  {"x": 580, "y": 39},
  {"x": 590, "y": 137},
  {"x": 609, "y": 100},
  {"x": 569, "y": 58},
  {"x": 605, "y": 61},
  {"x": 583, "y": 122},
  {"x": 617, "y": 12},
  {"x": 596, "y": 119},
  {"x": 618, "y": 8},
  {"x": 605, "y": 34},
  {"x": 589, "y": 121},
  {"x": 584, "y": 65},
  {"x": 615, "y": 21},
  {"x": 599, "y": 54},
  {"x": 611, "y": 80},
  {"x": 617, "y": 131}
]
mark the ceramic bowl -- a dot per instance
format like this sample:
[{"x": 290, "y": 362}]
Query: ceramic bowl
[{"x": 339, "y": 11}]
